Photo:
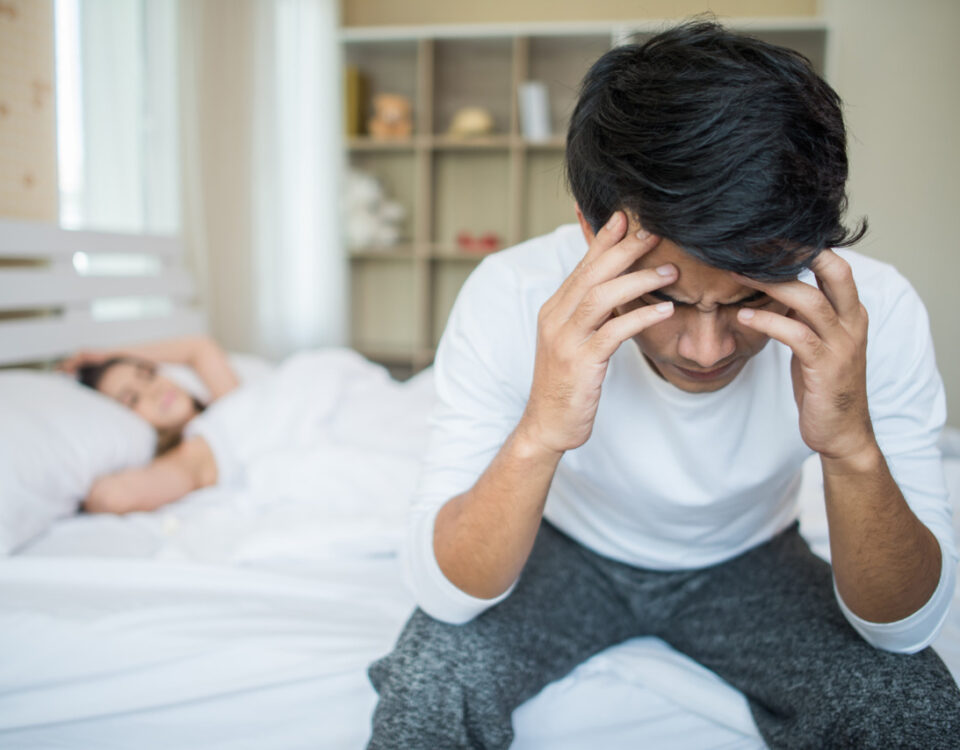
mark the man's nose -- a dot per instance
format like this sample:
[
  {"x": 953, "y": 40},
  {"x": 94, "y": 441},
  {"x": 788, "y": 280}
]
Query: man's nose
[{"x": 707, "y": 340}]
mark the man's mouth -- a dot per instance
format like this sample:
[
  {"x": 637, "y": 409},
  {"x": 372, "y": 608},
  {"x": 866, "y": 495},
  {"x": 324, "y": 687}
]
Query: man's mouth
[{"x": 702, "y": 375}]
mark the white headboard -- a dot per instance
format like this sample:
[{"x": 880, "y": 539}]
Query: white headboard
[{"x": 50, "y": 307}]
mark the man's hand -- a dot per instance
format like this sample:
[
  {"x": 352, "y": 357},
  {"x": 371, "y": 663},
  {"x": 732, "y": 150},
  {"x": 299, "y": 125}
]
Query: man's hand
[
  {"x": 886, "y": 563},
  {"x": 578, "y": 331},
  {"x": 826, "y": 329}
]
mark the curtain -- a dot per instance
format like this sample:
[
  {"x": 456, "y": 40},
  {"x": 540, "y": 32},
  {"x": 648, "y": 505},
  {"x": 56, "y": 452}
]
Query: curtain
[
  {"x": 296, "y": 170},
  {"x": 261, "y": 163}
]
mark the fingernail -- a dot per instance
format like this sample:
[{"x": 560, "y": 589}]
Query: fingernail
[
  {"x": 665, "y": 270},
  {"x": 613, "y": 221},
  {"x": 643, "y": 234},
  {"x": 745, "y": 313},
  {"x": 664, "y": 307}
]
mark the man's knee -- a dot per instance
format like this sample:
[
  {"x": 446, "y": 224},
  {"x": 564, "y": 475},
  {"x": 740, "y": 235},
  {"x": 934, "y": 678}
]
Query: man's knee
[
  {"x": 897, "y": 701},
  {"x": 436, "y": 692}
]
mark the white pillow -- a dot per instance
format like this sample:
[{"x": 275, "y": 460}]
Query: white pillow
[
  {"x": 56, "y": 438},
  {"x": 249, "y": 369}
]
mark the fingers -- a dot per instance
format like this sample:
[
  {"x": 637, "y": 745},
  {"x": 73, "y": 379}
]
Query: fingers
[
  {"x": 601, "y": 300},
  {"x": 809, "y": 303},
  {"x": 610, "y": 254},
  {"x": 622, "y": 327},
  {"x": 801, "y": 339},
  {"x": 836, "y": 281}
]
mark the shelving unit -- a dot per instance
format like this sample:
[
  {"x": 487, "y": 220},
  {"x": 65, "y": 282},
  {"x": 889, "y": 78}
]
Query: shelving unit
[{"x": 500, "y": 183}]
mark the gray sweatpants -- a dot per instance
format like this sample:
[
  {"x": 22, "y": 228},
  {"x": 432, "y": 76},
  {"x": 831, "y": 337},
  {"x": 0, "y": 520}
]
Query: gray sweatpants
[{"x": 766, "y": 622}]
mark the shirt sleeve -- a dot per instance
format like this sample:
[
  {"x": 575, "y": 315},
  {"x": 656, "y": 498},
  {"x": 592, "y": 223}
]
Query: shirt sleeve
[
  {"x": 483, "y": 369},
  {"x": 908, "y": 411}
]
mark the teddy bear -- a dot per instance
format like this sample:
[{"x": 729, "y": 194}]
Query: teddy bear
[{"x": 392, "y": 117}]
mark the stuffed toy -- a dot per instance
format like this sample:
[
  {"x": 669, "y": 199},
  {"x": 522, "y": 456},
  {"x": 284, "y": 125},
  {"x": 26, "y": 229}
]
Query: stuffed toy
[
  {"x": 373, "y": 220},
  {"x": 392, "y": 117}
]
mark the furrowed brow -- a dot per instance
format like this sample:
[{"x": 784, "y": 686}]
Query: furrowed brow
[{"x": 753, "y": 297}]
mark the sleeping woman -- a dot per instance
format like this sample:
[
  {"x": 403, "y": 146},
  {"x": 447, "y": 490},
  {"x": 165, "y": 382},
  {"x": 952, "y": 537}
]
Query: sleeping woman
[
  {"x": 130, "y": 376},
  {"x": 325, "y": 423}
]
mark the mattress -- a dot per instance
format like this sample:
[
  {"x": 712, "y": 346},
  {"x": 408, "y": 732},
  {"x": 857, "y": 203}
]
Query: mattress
[{"x": 242, "y": 618}]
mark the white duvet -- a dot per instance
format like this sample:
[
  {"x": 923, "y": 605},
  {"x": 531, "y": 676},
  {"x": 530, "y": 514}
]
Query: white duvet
[{"x": 245, "y": 615}]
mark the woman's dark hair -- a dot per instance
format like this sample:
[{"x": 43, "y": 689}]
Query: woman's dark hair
[
  {"x": 91, "y": 375},
  {"x": 731, "y": 147}
]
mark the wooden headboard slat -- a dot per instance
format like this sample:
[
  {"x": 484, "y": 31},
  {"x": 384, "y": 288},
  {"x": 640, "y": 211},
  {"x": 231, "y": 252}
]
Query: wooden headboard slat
[
  {"x": 25, "y": 239},
  {"x": 47, "y": 338},
  {"x": 23, "y": 289}
]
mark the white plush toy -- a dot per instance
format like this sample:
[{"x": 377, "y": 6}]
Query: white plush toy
[{"x": 373, "y": 220}]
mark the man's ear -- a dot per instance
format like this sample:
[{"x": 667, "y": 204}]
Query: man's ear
[{"x": 588, "y": 233}]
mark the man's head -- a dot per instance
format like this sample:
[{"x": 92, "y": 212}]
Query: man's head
[
  {"x": 733, "y": 151},
  {"x": 730, "y": 147}
]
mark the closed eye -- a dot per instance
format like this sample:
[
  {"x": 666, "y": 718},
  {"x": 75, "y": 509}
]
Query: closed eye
[
  {"x": 146, "y": 371},
  {"x": 757, "y": 299}
]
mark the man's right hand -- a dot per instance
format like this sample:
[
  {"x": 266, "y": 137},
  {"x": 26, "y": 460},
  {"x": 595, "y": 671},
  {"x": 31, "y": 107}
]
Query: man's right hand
[{"x": 579, "y": 330}]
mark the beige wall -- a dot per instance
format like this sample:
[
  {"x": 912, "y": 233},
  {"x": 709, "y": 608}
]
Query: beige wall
[
  {"x": 217, "y": 119},
  {"x": 28, "y": 140},
  {"x": 895, "y": 64},
  {"x": 402, "y": 12}
]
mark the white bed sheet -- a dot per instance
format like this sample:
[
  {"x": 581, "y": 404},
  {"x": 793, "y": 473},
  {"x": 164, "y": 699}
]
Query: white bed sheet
[{"x": 236, "y": 620}]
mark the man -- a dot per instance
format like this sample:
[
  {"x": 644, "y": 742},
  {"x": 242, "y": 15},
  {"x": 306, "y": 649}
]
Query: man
[{"x": 618, "y": 442}]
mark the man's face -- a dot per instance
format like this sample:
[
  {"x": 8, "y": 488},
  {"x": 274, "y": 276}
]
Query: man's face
[{"x": 701, "y": 347}]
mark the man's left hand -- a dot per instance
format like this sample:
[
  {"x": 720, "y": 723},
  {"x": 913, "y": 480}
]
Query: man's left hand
[{"x": 826, "y": 328}]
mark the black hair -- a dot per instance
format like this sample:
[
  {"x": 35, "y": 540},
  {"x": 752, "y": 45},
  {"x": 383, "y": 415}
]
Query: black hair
[
  {"x": 729, "y": 146},
  {"x": 91, "y": 375}
]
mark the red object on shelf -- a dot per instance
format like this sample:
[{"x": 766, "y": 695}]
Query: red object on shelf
[
  {"x": 485, "y": 243},
  {"x": 465, "y": 240}
]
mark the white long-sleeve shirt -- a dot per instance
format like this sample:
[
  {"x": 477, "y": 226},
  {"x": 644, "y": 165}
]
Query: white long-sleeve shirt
[{"x": 671, "y": 480}]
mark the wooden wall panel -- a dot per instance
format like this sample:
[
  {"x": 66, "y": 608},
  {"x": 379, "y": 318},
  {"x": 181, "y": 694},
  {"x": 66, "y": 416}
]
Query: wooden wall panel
[{"x": 28, "y": 133}]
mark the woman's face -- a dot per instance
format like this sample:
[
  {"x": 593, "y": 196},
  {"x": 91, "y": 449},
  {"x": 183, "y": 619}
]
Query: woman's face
[{"x": 158, "y": 400}]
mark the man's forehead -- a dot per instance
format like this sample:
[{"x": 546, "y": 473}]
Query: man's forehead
[{"x": 697, "y": 281}]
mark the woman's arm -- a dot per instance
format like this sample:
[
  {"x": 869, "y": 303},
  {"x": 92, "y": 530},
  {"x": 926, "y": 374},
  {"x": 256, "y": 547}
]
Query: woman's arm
[
  {"x": 190, "y": 466},
  {"x": 202, "y": 353}
]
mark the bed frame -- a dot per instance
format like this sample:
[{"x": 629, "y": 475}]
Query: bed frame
[{"x": 48, "y": 307}]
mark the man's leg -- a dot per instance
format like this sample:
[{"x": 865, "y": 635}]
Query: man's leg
[
  {"x": 768, "y": 623},
  {"x": 448, "y": 686}
]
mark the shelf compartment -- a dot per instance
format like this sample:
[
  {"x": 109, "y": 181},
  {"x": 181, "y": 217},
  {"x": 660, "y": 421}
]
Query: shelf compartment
[
  {"x": 396, "y": 171},
  {"x": 472, "y": 194},
  {"x": 561, "y": 63},
  {"x": 445, "y": 282},
  {"x": 383, "y": 311},
  {"x": 387, "y": 68},
  {"x": 472, "y": 73},
  {"x": 548, "y": 202}
]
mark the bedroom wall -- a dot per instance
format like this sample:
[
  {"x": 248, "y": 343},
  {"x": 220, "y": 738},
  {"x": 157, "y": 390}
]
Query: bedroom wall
[
  {"x": 28, "y": 141},
  {"x": 216, "y": 39},
  {"x": 895, "y": 66}
]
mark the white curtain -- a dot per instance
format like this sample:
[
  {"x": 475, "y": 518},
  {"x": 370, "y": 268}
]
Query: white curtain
[{"x": 298, "y": 263}]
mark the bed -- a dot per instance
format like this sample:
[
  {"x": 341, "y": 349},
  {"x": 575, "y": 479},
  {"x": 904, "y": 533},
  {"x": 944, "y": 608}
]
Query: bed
[{"x": 244, "y": 616}]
